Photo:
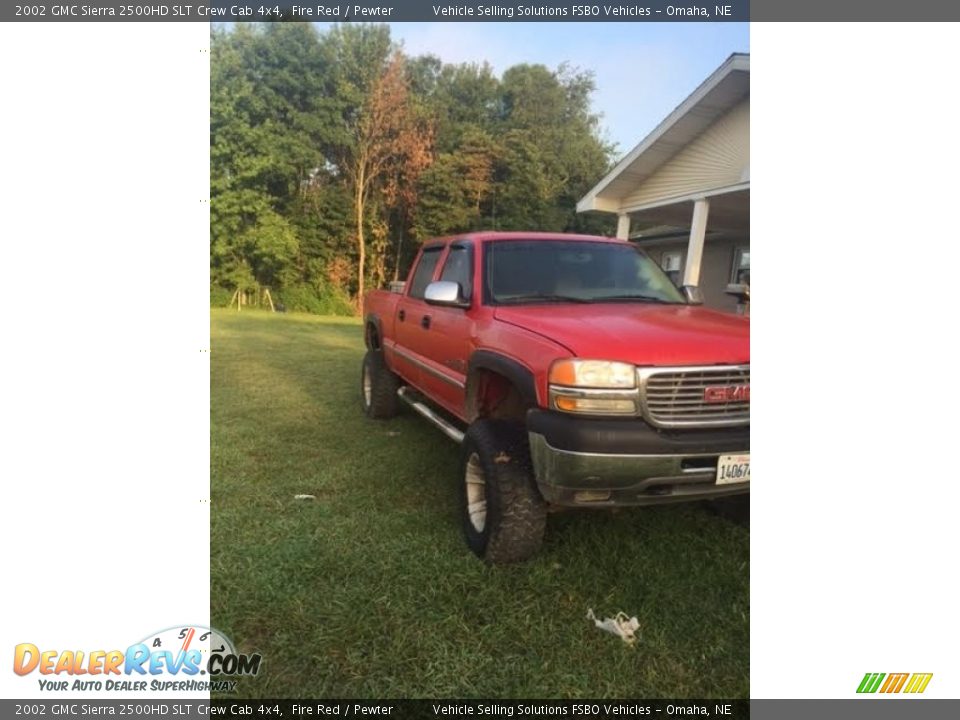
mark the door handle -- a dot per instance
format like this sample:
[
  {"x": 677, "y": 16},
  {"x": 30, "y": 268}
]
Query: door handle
[
  {"x": 425, "y": 322},
  {"x": 402, "y": 314}
]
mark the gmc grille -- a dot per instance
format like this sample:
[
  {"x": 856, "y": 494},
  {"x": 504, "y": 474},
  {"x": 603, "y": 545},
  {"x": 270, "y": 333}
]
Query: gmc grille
[{"x": 675, "y": 397}]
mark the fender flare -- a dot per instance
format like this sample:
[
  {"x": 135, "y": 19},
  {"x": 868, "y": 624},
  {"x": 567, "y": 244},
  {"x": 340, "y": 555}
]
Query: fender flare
[
  {"x": 372, "y": 319},
  {"x": 519, "y": 375}
]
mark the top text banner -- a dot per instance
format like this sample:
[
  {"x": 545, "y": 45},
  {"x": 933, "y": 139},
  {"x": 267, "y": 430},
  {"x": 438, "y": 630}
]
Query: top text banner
[
  {"x": 380, "y": 11},
  {"x": 485, "y": 11}
]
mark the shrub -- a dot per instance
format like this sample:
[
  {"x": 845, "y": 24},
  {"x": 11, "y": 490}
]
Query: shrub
[
  {"x": 321, "y": 300},
  {"x": 220, "y": 296}
]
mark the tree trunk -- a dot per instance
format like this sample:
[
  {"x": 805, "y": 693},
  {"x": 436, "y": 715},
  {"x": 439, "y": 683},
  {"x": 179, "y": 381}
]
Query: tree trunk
[
  {"x": 361, "y": 243},
  {"x": 396, "y": 265}
]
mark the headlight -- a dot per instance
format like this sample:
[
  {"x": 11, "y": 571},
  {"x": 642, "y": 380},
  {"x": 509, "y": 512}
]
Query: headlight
[
  {"x": 593, "y": 374},
  {"x": 593, "y": 387}
]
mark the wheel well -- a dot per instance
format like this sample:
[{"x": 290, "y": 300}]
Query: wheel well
[{"x": 493, "y": 396}]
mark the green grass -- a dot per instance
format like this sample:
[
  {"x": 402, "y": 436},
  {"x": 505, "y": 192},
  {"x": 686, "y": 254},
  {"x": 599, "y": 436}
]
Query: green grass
[{"x": 370, "y": 591}]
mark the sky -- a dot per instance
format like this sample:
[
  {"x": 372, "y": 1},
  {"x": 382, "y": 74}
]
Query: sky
[{"x": 642, "y": 70}]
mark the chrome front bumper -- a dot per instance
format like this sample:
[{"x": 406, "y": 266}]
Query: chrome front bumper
[{"x": 589, "y": 479}]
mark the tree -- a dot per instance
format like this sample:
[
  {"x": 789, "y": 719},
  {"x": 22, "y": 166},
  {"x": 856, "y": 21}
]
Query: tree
[
  {"x": 552, "y": 154},
  {"x": 271, "y": 115},
  {"x": 391, "y": 145}
]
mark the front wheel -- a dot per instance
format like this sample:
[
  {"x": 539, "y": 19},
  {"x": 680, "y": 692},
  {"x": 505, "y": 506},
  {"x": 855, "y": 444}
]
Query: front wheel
[{"x": 504, "y": 516}]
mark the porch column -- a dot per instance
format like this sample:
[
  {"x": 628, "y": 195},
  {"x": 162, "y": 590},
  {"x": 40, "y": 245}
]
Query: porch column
[
  {"x": 698, "y": 231},
  {"x": 623, "y": 226}
]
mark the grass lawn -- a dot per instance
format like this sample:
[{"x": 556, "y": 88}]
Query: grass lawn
[{"x": 370, "y": 591}]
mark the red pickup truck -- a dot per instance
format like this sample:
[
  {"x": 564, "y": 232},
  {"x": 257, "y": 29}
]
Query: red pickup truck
[{"x": 572, "y": 371}]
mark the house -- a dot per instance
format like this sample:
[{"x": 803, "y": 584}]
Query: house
[{"x": 683, "y": 193}]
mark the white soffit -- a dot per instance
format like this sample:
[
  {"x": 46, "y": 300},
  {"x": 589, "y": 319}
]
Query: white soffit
[{"x": 720, "y": 92}]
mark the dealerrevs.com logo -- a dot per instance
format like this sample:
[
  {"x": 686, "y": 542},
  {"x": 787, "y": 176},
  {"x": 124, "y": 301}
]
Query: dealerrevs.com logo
[
  {"x": 182, "y": 658},
  {"x": 894, "y": 683}
]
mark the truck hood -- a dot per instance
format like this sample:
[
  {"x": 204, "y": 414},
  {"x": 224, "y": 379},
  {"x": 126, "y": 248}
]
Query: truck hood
[{"x": 643, "y": 334}]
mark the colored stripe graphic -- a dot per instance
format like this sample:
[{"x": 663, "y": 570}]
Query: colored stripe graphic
[
  {"x": 915, "y": 683},
  {"x": 870, "y": 682},
  {"x": 894, "y": 682},
  {"x": 918, "y": 682}
]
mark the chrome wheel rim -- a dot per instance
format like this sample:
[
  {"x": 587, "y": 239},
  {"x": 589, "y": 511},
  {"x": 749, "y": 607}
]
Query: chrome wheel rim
[
  {"x": 476, "y": 493},
  {"x": 367, "y": 387}
]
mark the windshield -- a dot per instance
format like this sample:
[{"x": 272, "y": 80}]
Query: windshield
[{"x": 543, "y": 271}]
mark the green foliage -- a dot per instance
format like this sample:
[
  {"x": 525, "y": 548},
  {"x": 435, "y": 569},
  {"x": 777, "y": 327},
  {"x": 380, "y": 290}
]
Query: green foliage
[
  {"x": 271, "y": 244},
  {"x": 286, "y": 102},
  {"x": 220, "y": 296},
  {"x": 319, "y": 299}
]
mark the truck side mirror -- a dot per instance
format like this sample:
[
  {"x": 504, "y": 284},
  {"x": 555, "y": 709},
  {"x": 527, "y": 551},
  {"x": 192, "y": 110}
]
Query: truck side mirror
[
  {"x": 445, "y": 294},
  {"x": 693, "y": 294}
]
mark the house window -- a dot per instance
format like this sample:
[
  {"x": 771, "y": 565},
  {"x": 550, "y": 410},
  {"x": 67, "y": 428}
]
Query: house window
[
  {"x": 670, "y": 264},
  {"x": 740, "y": 273}
]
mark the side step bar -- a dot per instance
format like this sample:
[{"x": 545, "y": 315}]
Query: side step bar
[{"x": 448, "y": 429}]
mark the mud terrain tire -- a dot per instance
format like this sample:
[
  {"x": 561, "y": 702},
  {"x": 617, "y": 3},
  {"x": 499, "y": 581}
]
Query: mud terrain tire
[
  {"x": 378, "y": 387},
  {"x": 503, "y": 514}
]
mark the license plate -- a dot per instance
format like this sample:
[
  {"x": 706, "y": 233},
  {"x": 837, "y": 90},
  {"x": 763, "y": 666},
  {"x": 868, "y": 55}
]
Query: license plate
[{"x": 733, "y": 469}]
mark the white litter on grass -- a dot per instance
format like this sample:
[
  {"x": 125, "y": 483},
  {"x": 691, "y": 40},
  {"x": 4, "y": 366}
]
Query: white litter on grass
[
  {"x": 625, "y": 627},
  {"x": 304, "y": 497}
]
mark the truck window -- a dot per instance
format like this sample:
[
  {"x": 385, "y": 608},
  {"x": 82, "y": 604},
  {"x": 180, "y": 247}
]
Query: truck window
[
  {"x": 459, "y": 269},
  {"x": 424, "y": 273},
  {"x": 538, "y": 271}
]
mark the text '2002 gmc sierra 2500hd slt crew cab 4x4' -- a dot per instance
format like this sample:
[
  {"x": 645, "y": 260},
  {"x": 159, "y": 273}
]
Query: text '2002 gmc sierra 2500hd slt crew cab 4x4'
[{"x": 572, "y": 371}]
